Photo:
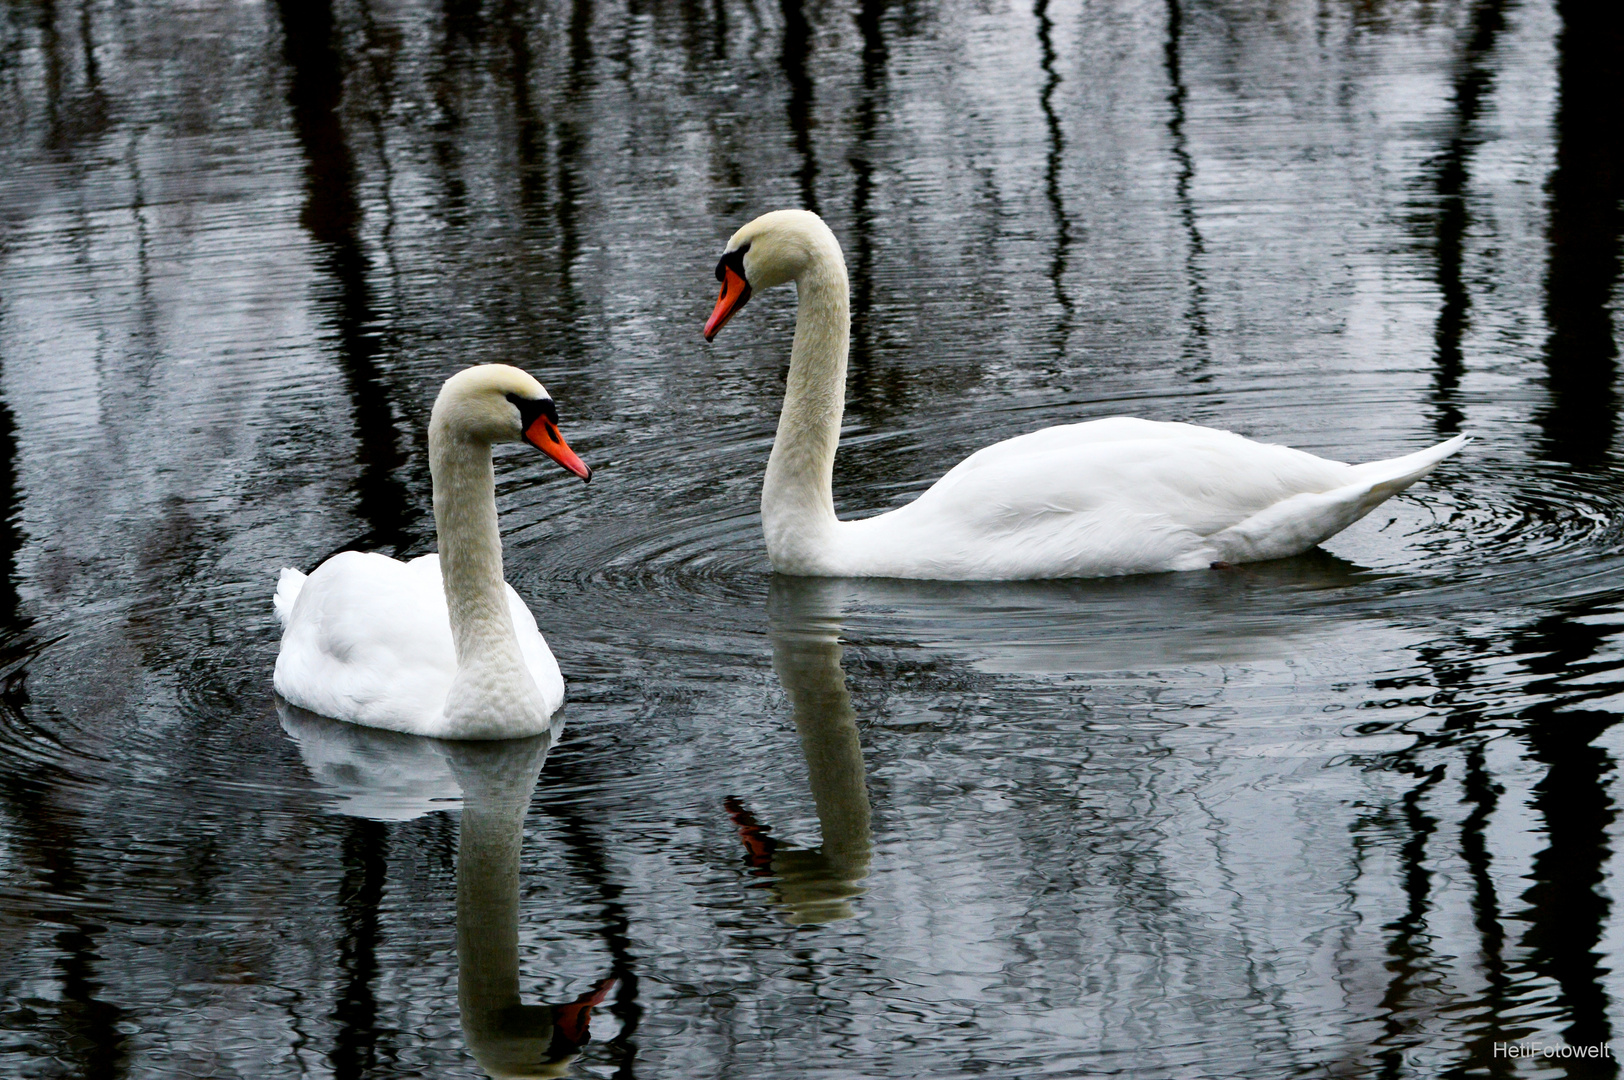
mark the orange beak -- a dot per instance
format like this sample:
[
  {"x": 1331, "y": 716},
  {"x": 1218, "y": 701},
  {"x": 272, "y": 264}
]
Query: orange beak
[
  {"x": 735, "y": 291},
  {"x": 543, "y": 435}
]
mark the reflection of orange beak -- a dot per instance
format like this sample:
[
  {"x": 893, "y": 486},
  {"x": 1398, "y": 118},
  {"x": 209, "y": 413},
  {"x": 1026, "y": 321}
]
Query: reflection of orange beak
[
  {"x": 572, "y": 1020},
  {"x": 544, "y": 436},
  {"x": 735, "y": 291}
]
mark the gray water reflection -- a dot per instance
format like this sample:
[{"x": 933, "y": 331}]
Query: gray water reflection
[
  {"x": 1353, "y": 814},
  {"x": 381, "y": 775}
]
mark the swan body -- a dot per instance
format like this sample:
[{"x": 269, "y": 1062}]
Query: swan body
[
  {"x": 441, "y": 645},
  {"x": 1113, "y": 496},
  {"x": 372, "y": 644}
]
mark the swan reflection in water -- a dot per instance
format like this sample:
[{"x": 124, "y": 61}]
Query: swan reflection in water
[
  {"x": 1261, "y": 612},
  {"x": 387, "y": 776},
  {"x": 814, "y": 885}
]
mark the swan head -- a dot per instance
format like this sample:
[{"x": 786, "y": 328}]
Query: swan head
[
  {"x": 774, "y": 248},
  {"x": 495, "y": 403}
]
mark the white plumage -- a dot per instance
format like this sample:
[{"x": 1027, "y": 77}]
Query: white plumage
[
  {"x": 367, "y": 638},
  {"x": 441, "y": 645},
  {"x": 1113, "y": 496}
]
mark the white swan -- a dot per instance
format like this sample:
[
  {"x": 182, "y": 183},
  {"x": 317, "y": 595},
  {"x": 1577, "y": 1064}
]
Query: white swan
[
  {"x": 1112, "y": 496},
  {"x": 441, "y": 645}
]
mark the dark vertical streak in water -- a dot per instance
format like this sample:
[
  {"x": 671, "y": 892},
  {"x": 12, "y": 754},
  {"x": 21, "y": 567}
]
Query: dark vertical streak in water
[
  {"x": 70, "y": 118},
  {"x": 146, "y": 348},
  {"x": 571, "y": 143},
  {"x": 85, "y": 1033},
  {"x": 1473, "y": 83},
  {"x": 379, "y": 51},
  {"x": 531, "y": 132},
  {"x": 692, "y": 35},
  {"x": 1196, "y": 247},
  {"x": 1581, "y": 353},
  {"x": 91, "y": 113},
  {"x": 356, "y": 1052},
  {"x": 1408, "y": 948},
  {"x": 332, "y": 216},
  {"x": 797, "y": 51},
  {"x": 1053, "y": 164},
  {"x": 1567, "y": 911},
  {"x": 1483, "y": 795},
  {"x": 51, "y": 52},
  {"x": 85, "y": 1030},
  {"x": 91, "y": 1025},
  {"x": 1456, "y": 676},
  {"x": 864, "y": 392},
  {"x": 719, "y": 29},
  {"x": 11, "y": 530},
  {"x": 587, "y": 856},
  {"x": 461, "y": 26}
]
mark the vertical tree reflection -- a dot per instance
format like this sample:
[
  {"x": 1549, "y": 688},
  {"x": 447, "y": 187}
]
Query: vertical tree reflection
[
  {"x": 531, "y": 130},
  {"x": 1483, "y": 795},
  {"x": 1195, "y": 246},
  {"x": 1054, "y": 162},
  {"x": 461, "y": 26},
  {"x": 1411, "y": 963},
  {"x": 332, "y": 216},
  {"x": 1585, "y": 188},
  {"x": 797, "y": 51},
  {"x": 1567, "y": 910},
  {"x": 85, "y": 1033},
  {"x": 868, "y": 388},
  {"x": 11, "y": 514},
  {"x": 571, "y": 146},
  {"x": 355, "y": 1050},
  {"x": 72, "y": 118},
  {"x": 1473, "y": 83}
]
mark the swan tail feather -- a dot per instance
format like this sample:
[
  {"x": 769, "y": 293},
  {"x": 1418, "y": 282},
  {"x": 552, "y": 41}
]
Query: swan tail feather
[
  {"x": 1294, "y": 525},
  {"x": 288, "y": 586},
  {"x": 1395, "y": 474}
]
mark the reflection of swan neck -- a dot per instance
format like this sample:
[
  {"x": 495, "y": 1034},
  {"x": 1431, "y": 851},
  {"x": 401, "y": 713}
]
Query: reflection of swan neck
[
  {"x": 488, "y": 907},
  {"x": 506, "y": 1037},
  {"x": 471, "y": 549},
  {"x": 827, "y": 723},
  {"x": 815, "y": 885},
  {"x": 797, "y": 495}
]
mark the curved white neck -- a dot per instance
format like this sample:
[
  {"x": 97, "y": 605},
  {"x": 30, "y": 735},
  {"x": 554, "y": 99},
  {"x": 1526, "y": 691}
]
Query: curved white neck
[
  {"x": 797, "y": 497},
  {"x": 471, "y": 568}
]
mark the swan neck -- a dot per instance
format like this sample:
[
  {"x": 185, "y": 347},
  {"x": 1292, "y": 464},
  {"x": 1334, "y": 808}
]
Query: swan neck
[
  {"x": 797, "y": 499},
  {"x": 470, "y": 549}
]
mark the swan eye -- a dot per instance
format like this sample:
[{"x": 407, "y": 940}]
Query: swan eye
[
  {"x": 734, "y": 259},
  {"x": 532, "y": 408}
]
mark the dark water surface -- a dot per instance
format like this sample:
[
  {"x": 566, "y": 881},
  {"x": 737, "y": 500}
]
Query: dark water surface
[{"x": 1351, "y": 814}]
